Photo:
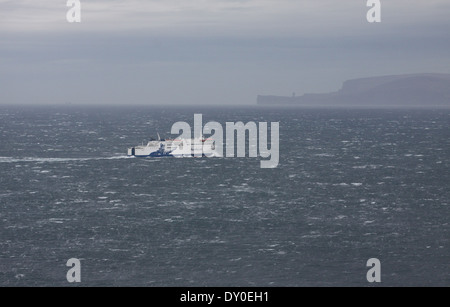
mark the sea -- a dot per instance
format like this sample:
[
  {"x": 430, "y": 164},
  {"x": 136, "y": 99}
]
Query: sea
[{"x": 351, "y": 185}]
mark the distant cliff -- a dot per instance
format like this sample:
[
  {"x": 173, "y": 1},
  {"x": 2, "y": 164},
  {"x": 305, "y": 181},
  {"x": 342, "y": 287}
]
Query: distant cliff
[{"x": 401, "y": 90}]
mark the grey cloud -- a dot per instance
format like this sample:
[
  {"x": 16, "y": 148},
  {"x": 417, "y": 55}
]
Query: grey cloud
[{"x": 210, "y": 51}]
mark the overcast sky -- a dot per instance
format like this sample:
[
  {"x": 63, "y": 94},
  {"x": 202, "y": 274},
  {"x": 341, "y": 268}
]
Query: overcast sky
[{"x": 210, "y": 51}]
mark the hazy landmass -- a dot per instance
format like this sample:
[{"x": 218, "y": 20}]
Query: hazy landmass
[{"x": 396, "y": 90}]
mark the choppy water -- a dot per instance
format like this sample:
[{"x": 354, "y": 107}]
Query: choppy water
[{"x": 351, "y": 185}]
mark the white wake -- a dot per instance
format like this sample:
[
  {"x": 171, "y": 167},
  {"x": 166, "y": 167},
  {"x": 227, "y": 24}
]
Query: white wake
[{"x": 50, "y": 160}]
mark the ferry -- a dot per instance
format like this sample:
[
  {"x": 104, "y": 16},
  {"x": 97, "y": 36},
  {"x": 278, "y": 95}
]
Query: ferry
[{"x": 174, "y": 148}]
